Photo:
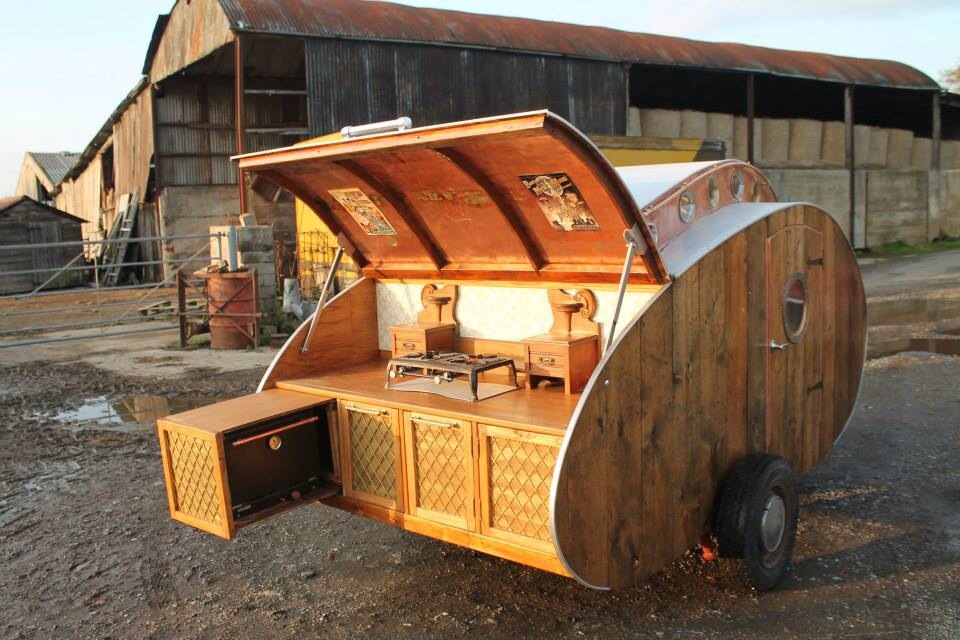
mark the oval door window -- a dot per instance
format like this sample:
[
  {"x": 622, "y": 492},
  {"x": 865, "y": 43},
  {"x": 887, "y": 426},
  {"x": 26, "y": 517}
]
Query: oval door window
[{"x": 795, "y": 307}]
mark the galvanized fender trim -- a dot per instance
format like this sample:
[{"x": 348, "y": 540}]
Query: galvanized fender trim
[
  {"x": 710, "y": 232},
  {"x": 574, "y": 419}
]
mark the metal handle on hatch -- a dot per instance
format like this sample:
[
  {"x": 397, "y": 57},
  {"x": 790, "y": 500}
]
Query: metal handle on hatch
[
  {"x": 778, "y": 346},
  {"x": 409, "y": 345},
  {"x": 369, "y": 412},
  {"x": 547, "y": 360},
  {"x": 432, "y": 423}
]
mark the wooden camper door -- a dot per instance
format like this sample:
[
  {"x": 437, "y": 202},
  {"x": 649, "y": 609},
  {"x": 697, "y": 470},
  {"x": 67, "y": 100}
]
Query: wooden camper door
[{"x": 794, "y": 361}]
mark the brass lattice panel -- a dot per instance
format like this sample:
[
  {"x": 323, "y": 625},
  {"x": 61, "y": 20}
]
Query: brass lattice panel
[
  {"x": 193, "y": 466},
  {"x": 441, "y": 477},
  {"x": 373, "y": 455},
  {"x": 520, "y": 475}
]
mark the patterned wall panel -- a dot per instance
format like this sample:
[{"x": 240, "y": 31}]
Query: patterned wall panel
[{"x": 497, "y": 313}]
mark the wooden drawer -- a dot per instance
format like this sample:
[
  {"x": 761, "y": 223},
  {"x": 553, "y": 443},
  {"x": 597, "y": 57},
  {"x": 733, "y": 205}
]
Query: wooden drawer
[
  {"x": 372, "y": 468},
  {"x": 547, "y": 364},
  {"x": 408, "y": 345},
  {"x": 516, "y": 469},
  {"x": 441, "y": 476},
  {"x": 233, "y": 463},
  {"x": 410, "y": 338}
]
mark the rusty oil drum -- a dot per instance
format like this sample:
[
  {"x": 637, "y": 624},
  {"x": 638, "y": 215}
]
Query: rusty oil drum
[{"x": 229, "y": 293}]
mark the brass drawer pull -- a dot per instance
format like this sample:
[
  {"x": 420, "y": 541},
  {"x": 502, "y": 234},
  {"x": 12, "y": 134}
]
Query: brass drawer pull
[
  {"x": 272, "y": 432},
  {"x": 369, "y": 412},
  {"x": 432, "y": 423},
  {"x": 409, "y": 345},
  {"x": 547, "y": 360}
]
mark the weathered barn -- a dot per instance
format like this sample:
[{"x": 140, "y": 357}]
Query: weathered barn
[
  {"x": 40, "y": 173},
  {"x": 876, "y": 142},
  {"x": 24, "y": 220}
]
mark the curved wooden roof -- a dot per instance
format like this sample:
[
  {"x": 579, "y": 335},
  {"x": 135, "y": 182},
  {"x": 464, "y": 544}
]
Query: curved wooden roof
[{"x": 521, "y": 197}]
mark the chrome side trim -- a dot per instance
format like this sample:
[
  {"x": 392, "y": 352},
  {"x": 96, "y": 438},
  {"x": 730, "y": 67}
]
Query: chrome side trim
[
  {"x": 713, "y": 230},
  {"x": 571, "y": 426}
]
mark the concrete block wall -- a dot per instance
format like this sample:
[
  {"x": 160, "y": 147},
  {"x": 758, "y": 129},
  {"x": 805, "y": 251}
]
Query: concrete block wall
[
  {"x": 193, "y": 210},
  {"x": 897, "y": 204},
  {"x": 948, "y": 220},
  {"x": 912, "y": 206},
  {"x": 827, "y": 188}
]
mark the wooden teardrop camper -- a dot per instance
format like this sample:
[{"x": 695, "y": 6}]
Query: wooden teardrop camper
[{"x": 580, "y": 368}]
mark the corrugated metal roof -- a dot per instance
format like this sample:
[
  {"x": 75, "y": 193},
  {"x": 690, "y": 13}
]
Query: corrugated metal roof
[
  {"x": 55, "y": 165},
  {"x": 369, "y": 20},
  {"x": 8, "y": 203}
]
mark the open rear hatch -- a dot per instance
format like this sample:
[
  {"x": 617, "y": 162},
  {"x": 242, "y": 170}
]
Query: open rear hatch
[{"x": 524, "y": 197}]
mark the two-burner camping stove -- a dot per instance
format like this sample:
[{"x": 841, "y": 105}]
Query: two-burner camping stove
[{"x": 444, "y": 367}]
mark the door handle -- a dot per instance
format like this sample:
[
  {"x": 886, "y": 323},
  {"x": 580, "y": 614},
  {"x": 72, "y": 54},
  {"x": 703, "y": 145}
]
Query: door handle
[{"x": 778, "y": 346}]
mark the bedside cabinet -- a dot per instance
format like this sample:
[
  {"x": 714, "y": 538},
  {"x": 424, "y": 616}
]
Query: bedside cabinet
[{"x": 571, "y": 358}]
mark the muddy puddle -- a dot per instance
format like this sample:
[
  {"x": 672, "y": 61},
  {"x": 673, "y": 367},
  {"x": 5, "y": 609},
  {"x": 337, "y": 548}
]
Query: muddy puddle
[
  {"x": 132, "y": 413},
  {"x": 945, "y": 346},
  {"x": 911, "y": 310}
]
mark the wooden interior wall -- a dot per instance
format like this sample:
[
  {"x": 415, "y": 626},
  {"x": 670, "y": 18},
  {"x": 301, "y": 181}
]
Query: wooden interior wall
[
  {"x": 685, "y": 400},
  {"x": 346, "y": 334}
]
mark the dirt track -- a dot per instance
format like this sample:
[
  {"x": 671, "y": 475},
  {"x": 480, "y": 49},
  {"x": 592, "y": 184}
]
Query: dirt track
[{"x": 88, "y": 550}]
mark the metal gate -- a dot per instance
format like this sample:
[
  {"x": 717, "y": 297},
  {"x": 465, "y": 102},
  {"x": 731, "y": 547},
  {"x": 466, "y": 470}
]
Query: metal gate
[{"x": 74, "y": 298}]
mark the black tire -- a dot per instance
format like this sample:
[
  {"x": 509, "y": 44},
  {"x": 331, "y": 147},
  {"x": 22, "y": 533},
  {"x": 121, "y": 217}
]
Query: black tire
[{"x": 756, "y": 517}]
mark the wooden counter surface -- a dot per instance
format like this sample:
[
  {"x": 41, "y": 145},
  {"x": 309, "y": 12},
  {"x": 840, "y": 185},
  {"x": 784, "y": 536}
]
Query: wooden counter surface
[{"x": 546, "y": 409}]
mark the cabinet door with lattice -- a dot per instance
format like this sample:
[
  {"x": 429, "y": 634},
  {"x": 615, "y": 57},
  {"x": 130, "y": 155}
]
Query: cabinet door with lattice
[
  {"x": 197, "y": 488},
  {"x": 516, "y": 468},
  {"x": 440, "y": 469},
  {"x": 372, "y": 469}
]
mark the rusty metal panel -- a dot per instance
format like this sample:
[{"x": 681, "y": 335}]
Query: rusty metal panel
[
  {"x": 351, "y": 82},
  {"x": 133, "y": 145},
  {"x": 382, "y": 21}
]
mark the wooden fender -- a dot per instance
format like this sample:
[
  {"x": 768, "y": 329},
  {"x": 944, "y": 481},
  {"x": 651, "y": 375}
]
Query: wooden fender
[{"x": 693, "y": 384}]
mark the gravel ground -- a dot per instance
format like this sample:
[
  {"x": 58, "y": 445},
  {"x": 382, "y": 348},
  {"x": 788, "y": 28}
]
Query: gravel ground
[{"x": 88, "y": 550}]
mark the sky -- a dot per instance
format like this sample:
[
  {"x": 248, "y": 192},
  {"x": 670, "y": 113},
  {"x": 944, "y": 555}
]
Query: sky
[{"x": 65, "y": 65}]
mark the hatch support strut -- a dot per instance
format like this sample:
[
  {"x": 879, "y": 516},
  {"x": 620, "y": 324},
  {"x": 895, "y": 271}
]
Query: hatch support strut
[
  {"x": 634, "y": 241},
  {"x": 324, "y": 296}
]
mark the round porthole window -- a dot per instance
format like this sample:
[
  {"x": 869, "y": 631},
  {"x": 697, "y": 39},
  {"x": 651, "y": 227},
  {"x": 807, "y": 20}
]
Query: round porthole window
[
  {"x": 688, "y": 207},
  {"x": 713, "y": 192},
  {"x": 795, "y": 307},
  {"x": 736, "y": 185}
]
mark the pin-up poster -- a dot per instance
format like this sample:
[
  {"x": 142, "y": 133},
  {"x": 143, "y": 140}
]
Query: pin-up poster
[
  {"x": 561, "y": 202},
  {"x": 362, "y": 209}
]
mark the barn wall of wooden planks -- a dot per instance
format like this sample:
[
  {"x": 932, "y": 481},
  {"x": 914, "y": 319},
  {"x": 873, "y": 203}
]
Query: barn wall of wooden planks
[{"x": 685, "y": 394}]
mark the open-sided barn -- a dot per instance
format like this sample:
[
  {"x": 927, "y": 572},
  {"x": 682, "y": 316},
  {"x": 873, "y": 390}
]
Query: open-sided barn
[{"x": 876, "y": 142}]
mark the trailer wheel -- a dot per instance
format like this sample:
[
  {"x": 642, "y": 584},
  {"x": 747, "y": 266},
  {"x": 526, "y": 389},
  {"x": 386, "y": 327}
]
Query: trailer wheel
[{"x": 756, "y": 517}]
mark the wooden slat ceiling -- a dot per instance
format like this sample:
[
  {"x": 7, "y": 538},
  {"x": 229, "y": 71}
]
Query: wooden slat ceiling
[{"x": 523, "y": 197}]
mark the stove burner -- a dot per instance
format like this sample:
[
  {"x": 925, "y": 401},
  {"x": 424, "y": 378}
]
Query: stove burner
[{"x": 445, "y": 367}]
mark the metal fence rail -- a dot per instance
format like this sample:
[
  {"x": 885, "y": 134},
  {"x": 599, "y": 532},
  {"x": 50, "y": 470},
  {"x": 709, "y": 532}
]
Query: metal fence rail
[{"x": 92, "y": 304}]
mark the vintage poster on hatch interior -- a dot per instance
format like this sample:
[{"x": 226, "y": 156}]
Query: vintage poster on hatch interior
[
  {"x": 363, "y": 210},
  {"x": 560, "y": 201}
]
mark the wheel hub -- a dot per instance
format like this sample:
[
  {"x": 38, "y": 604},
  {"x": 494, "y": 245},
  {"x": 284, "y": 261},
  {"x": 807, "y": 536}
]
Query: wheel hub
[{"x": 773, "y": 523}]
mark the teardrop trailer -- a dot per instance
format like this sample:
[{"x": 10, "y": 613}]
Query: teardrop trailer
[{"x": 575, "y": 367}]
